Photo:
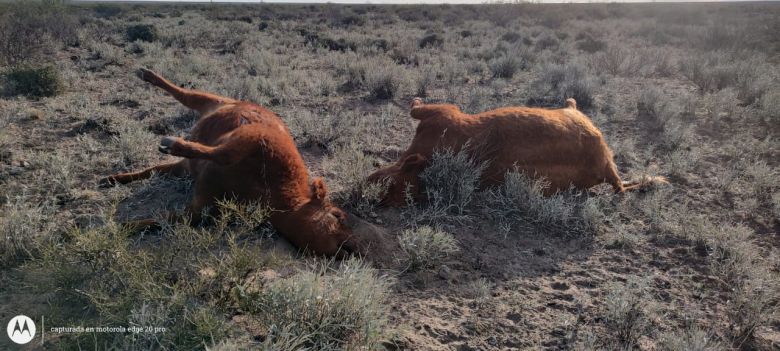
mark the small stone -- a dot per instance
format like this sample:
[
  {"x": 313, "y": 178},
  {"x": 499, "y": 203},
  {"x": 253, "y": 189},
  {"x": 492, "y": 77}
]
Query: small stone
[{"x": 445, "y": 272}]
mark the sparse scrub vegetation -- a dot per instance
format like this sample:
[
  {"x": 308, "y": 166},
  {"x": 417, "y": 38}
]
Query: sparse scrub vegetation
[
  {"x": 431, "y": 40},
  {"x": 33, "y": 30},
  {"x": 617, "y": 61},
  {"x": 134, "y": 143},
  {"x": 451, "y": 181},
  {"x": 520, "y": 204},
  {"x": 505, "y": 66},
  {"x": 625, "y": 312},
  {"x": 425, "y": 247},
  {"x": 24, "y": 229},
  {"x": 142, "y": 32},
  {"x": 350, "y": 167},
  {"x": 35, "y": 82},
  {"x": 690, "y": 339},
  {"x": 343, "y": 309},
  {"x": 384, "y": 82},
  {"x": 560, "y": 82},
  {"x": 687, "y": 91},
  {"x": 588, "y": 44}
]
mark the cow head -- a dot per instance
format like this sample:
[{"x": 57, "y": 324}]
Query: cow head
[
  {"x": 332, "y": 231},
  {"x": 401, "y": 177}
]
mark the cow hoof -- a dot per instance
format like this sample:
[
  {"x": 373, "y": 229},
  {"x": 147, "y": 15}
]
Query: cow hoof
[
  {"x": 165, "y": 144},
  {"x": 146, "y": 75},
  {"x": 417, "y": 102},
  {"x": 107, "y": 182}
]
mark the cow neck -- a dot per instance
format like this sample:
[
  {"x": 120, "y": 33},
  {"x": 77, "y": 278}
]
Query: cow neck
[{"x": 294, "y": 190}]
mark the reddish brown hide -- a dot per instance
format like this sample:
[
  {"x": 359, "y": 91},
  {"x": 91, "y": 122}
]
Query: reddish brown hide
[
  {"x": 242, "y": 151},
  {"x": 561, "y": 145}
]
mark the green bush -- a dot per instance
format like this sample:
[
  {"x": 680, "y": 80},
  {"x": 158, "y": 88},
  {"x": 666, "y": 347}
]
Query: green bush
[
  {"x": 333, "y": 309},
  {"x": 32, "y": 31},
  {"x": 23, "y": 227},
  {"x": 34, "y": 82},
  {"x": 350, "y": 167},
  {"x": 588, "y": 44},
  {"x": 385, "y": 82},
  {"x": 690, "y": 339},
  {"x": 511, "y": 37},
  {"x": 143, "y": 32},
  {"x": 431, "y": 40},
  {"x": 626, "y": 313},
  {"x": 557, "y": 82},
  {"x": 450, "y": 183},
  {"x": 519, "y": 203},
  {"x": 426, "y": 247},
  {"x": 505, "y": 66}
]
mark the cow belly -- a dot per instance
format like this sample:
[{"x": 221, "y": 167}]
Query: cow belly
[
  {"x": 561, "y": 169},
  {"x": 228, "y": 182}
]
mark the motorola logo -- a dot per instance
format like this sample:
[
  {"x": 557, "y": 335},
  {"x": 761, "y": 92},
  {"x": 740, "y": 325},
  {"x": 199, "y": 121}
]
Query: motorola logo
[{"x": 21, "y": 329}]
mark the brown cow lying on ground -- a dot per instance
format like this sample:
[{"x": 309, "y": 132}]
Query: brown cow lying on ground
[
  {"x": 561, "y": 145},
  {"x": 243, "y": 151}
]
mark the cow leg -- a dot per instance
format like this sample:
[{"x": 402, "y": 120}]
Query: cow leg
[
  {"x": 241, "y": 143},
  {"x": 176, "y": 169},
  {"x": 613, "y": 178},
  {"x": 197, "y": 100}
]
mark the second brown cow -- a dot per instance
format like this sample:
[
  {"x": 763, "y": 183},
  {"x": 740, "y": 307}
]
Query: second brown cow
[{"x": 561, "y": 145}]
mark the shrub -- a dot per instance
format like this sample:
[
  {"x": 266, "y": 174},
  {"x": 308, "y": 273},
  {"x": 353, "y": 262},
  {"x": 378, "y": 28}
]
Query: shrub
[
  {"x": 558, "y": 82},
  {"x": 23, "y": 228},
  {"x": 431, "y": 40},
  {"x": 325, "y": 130},
  {"x": 34, "y": 82},
  {"x": 753, "y": 301},
  {"x": 617, "y": 61},
  {"x": 425, "y": 247},
  {"x": 625, "y": 312},
  {"x": 143, "y": 32},
  {"x": 349, "y": 186},
  {"x": 547, "y": 42},
  {"x": 107, "y": 11},
  {"x": 511, "y": 37},
  {"x": 384, "y": 82},
  {"x": 659, "y": 114},
  {"x": 690, "y": 339},
  {"x": 123, "y": 284},
  {"x": 424, "y": 80},
  {"x": 520, "y": 203},
  {"x": 59, "y": 173},
  {"x": 134, "y": 143},
  {"x": 450, "y": 183},
  {"x": 341, "y": 308},
  {"x": 762, "y": 181},
  {"x": 590, "y": 45},
  {"x": 505, "y": 66},
  {"x": 31, "y": 31},
  {"x": 716, "y": 71},
  {"x": 770, "y": 106}
]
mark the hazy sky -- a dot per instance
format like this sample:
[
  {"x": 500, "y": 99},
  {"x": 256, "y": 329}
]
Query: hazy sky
[{"x": 405, "y": 1}]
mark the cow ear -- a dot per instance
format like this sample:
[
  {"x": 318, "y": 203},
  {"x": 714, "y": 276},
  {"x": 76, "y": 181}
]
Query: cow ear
[
  {"x": 318, "y": 189},
  {"x": 413, "y": 162}
]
